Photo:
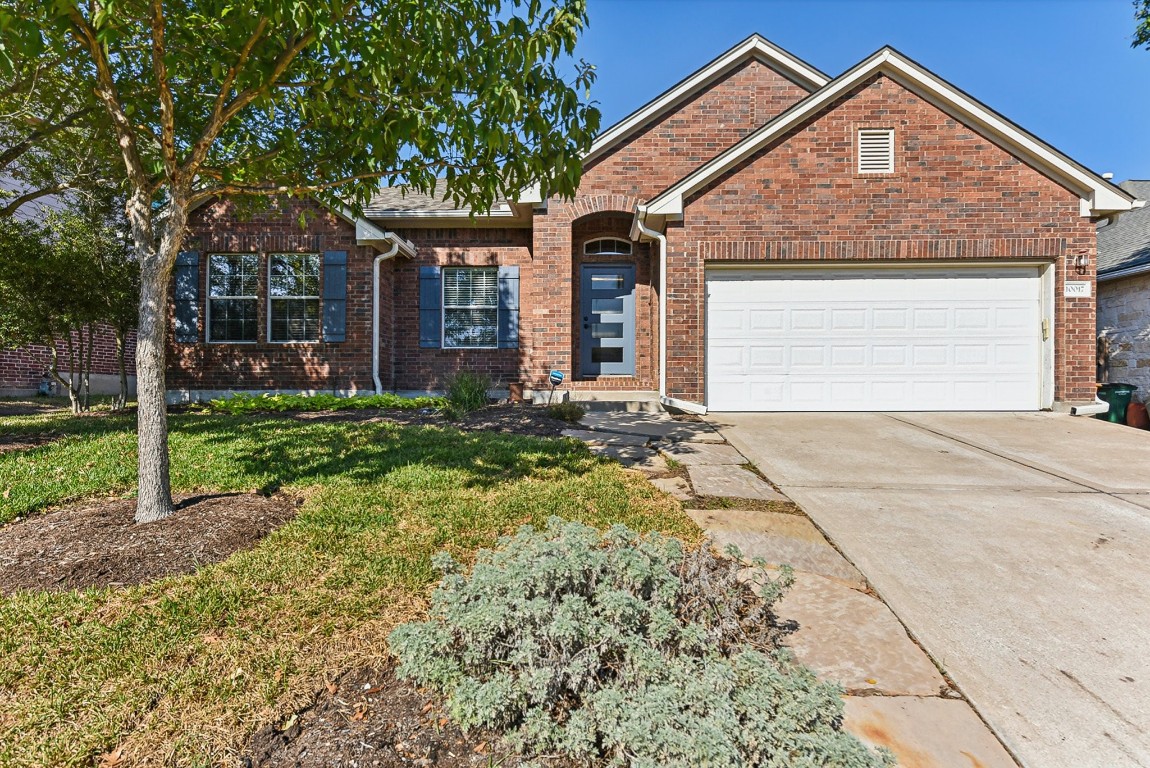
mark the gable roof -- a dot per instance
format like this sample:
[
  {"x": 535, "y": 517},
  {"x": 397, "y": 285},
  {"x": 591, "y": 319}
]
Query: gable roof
[
  {"x": 754, "y": 48},
  {"x": 1124, "y": 244},
  {"x": 1099, "y": 196},
  {"x": 411, "y": 208}
]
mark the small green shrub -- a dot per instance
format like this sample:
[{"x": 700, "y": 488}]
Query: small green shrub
[
  {"x": 466, "y": 392},
  {"x": 572, "y": 412},
  {"x": 269, "y": 403},
  {"x": 614, "y": 649}
]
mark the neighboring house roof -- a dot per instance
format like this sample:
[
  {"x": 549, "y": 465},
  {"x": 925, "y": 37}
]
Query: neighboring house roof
[
  {"x": 1099, "y": 196},
  {"x": 1124, "y": 243}
]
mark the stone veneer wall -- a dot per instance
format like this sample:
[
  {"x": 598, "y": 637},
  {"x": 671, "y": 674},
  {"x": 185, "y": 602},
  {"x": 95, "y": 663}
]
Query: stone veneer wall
[{"x": 1124, "y": 318}]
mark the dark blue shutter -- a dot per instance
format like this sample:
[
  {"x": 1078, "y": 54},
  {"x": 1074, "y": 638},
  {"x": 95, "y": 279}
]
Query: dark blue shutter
[
  {"x": 335, "y": 296},
  {"x": 508, "y": 307},
  {"x": 430, "y": 307},
  {"x": 187, "y": 295}
]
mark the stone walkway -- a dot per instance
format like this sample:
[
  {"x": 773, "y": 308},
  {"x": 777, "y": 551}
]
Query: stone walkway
[{"x": 895, "y": 696}]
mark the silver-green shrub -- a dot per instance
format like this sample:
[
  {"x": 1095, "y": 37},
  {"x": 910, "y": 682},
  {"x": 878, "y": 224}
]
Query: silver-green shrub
[{"x": 618, "y": 649}]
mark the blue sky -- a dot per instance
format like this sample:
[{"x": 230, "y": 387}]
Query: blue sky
[{"x": 1062, "y": 69}]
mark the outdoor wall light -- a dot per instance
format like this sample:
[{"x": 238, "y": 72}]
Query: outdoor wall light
[{"x": 1081, "y": 262}]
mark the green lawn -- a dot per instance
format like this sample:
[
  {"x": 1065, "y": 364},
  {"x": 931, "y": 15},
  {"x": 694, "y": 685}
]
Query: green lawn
[{"x": 179, "y": 671}]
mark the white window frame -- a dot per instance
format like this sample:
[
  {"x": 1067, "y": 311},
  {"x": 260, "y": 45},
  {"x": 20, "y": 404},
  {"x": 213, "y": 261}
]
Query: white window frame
[
  {"x": 889, "y": 133},
  {"x": 617, "y": 252},
  {"x": 318, "y": 298},
  {"x": 208, "y": 299},
  {"x": 443, "y": 308}
]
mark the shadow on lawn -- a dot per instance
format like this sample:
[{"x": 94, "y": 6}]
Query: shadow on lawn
[{"x": 293, "y": 452}]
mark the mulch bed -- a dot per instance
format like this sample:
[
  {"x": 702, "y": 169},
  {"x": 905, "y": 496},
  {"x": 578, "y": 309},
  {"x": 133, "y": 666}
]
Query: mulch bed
[
  {"x": 370, "y": 718},
  {"x": 98, "y": 544},
  {"x": 517, "y": 418}
]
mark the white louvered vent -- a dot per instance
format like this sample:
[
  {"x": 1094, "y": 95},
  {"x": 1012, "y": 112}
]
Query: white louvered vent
[{"x": 876, "y": 150}]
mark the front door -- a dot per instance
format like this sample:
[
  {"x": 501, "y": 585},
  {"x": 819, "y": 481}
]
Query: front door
[{"x": 607, "y": 309}]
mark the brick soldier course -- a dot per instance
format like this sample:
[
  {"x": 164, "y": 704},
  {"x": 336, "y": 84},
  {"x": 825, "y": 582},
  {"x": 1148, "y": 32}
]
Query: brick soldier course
[{"x": 957, "y": 193}]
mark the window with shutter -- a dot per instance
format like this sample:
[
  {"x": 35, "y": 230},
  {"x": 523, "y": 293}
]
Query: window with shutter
[
  {"x": 293, "y": 297},
  {"x": 233, "y": 293},
  {"x": 470, "y": 307},
  {"x": 876, "y": 150}
]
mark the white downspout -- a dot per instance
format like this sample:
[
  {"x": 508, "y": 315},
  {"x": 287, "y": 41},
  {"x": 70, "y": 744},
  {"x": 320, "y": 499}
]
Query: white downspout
[
  {"x": 375, "y": 314},
  {"x": 683, "y": 405}
]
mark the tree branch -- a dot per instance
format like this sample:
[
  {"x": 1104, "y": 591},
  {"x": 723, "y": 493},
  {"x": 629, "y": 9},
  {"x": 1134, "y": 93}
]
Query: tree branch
[
  {"x": 15, "y": 204},
  {"x": 167, "y": 102},
  {"x": 13, "y": 153}
]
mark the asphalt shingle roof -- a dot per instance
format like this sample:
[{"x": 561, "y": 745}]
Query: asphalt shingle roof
[
  {"x": 1126, "y": 242},
  {"x": 404, "y": 199}
]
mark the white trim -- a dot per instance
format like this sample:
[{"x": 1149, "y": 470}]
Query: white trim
[
  {"x": 208, "y": 299},
  {"x": 1047, "y": 278},
  {"x": 629, "y": 252},
  {"x": 755, "y": 47},
  {"x": 319, "y": 299},
  {"x": 1099, "y": 197},
  {"x": 1118, "y": 274},
  {"x": 443, "y": 306}
]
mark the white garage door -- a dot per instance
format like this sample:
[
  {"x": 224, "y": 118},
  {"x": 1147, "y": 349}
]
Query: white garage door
[{"x": 872, "y": 339}]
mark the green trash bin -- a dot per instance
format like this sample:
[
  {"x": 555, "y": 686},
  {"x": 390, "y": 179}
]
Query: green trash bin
[{"x": 1119, "y": 396}]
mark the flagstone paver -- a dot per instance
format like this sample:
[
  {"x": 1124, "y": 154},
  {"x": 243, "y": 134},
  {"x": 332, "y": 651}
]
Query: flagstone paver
[
  {"x": 696, "y": 454},
  {"x": 731, "y": 481},
  {"x": 853, "y": 639},
  {"x": 676, "y": 486},
  {"x": 926, "y": 732},
  {"x": 633, "y": 456},
  {"x": 610, "y": 438},
  {"x": 649, "y": 424},
  {"x": 778, "y": 538}
]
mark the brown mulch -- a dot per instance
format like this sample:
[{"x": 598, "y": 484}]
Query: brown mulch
[
  {"x": 98, "y": 544},
  {"x": 24, "y": 442},
  {"x": 370, "y": 718},
  {"x": 517, "y": 418}
]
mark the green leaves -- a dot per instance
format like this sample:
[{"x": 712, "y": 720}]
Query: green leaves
[{"x": 1142, "y": 21}]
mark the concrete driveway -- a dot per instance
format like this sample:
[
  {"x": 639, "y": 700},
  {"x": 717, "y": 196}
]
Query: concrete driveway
[{"x": 1015, "y": 547}]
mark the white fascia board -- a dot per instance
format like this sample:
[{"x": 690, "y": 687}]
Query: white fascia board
[
  {"x": 754, "y": 47},
  {"x": 1099, "y": 197},
  {"x": 367, "y": 233}
]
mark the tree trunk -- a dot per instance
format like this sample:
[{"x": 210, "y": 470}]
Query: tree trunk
[
  {"x": 75, "y": 401},
  {"x": 88, "y": 371},
  {"x": 154, "y": 500},
  {"x": 122, "y": 358}
]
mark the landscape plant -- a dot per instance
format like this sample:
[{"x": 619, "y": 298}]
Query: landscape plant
[
  {"x": 277, "y": 403},
  {"x": 619, "y": 649},
  {"x": 466, "y": 392}
]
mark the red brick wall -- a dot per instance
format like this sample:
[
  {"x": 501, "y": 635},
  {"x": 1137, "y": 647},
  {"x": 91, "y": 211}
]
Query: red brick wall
[
  {"x": 419, "y": 368},
  {"x": 20, "y": 369},
  {"x": 669, "y": 148},
  {"x": 216, "y": 228},
  {"x": 645, "y": 164},
  {"x": 953, "y": 195}
]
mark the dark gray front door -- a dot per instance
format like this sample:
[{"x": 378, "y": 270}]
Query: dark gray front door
[{"x": 607, "y": 309}]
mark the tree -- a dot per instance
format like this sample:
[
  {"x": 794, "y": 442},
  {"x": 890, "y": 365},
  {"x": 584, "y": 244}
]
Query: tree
[
  {"x": 322, "y": 97},
  {"x": 1142, "y": 19},
  {"x": 61, "y": 277},
  {"x": 53, "y": 136}
]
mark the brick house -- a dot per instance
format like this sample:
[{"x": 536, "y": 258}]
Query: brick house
[
  {"x": 759, "y": 237},
  {"x": 1124, "y": 295}
]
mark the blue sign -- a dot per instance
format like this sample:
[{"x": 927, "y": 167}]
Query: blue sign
[{"x": 556, "y": 378}]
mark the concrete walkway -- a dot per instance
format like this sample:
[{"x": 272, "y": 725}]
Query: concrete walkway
[
  {"x": 1015, "y": 548},
  {"x": 895, "y": 695}
]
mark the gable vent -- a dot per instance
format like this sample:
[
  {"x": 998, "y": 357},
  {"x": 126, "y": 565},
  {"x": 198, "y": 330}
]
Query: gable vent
[{"x": 876, "y": 151}]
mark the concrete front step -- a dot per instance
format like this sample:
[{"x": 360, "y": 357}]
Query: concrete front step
[{"x": 926, "y": 732}]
